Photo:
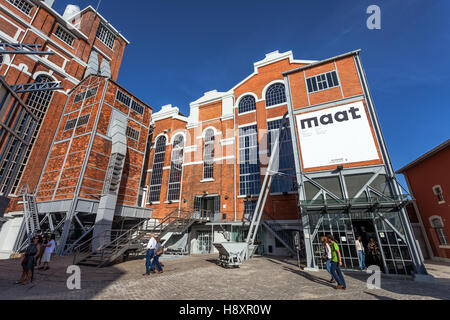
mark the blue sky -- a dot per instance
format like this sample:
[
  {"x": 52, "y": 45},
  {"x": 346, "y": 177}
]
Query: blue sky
[{"x": 181, "y": 49}]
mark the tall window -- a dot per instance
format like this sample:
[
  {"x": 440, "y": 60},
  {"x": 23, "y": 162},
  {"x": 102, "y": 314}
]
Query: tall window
[
  {"x": 275, "y": 95},
  {"x": 157, "y": 171},
  {"x": 38, "y": 102},
  {"x": 64, "y": 35},
  {"x": 439, "y": 194},
  {"x": 176, "y": 169},
  {"x": 208, "y": 157},
  {"x": 106, "y": 36},
  {"x": 438, "y": 226},
  {"x": 322, "y": 82},
  {"x": 285, "y": 181},
  {"x": 249, "y": 174},
  {"x": 247, "y": 104}
]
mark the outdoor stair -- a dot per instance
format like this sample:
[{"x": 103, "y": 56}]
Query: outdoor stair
[
  {"x": 278, "y": 232},
  {"x": 135, "y": 239}
]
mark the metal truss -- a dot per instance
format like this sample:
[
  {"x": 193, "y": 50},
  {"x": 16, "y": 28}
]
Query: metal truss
[
  {"x": 33, "y": 87},
  {"x": 20, "y": 48}
]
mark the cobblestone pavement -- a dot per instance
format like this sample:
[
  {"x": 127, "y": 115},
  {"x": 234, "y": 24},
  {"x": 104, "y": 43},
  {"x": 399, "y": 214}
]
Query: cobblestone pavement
[{"x": 198, "y": 277}]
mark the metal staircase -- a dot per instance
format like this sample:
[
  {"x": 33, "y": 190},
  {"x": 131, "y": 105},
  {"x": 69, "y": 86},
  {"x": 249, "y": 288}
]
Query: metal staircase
[
  {"x": 116, "y": 243},
  {"x": 30, "y": 214},
  {"x": 278, "y": 232}
]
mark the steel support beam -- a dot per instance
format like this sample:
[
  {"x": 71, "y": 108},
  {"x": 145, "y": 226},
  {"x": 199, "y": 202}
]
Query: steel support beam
[
  {"x": 21, "y": 48},
  {"x": 33, "y": 87}
]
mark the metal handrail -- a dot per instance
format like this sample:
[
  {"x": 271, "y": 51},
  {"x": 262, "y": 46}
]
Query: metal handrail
[{"x": 280, "y": 231}]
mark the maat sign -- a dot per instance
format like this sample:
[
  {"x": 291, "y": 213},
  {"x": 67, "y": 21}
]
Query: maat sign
[{"x": 335, "y": 136}]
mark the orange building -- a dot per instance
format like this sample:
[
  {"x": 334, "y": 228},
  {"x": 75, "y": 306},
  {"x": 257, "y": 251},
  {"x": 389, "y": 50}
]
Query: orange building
[
  {"x": 428, "y": 180},
  {"x": 93, "y": 172},
  {"x": 333, "y": 173},
  {"x": 83, "y": 43}
]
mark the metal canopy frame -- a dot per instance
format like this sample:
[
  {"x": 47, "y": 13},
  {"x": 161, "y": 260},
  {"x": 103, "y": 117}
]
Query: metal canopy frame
[
  {"x": 22, "y": 48},
  {"x": 33, "y": 87}
]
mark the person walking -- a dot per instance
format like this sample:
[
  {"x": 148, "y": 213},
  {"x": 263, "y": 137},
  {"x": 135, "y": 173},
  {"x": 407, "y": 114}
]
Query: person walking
[
  {"x": 49, "y": 248},
  {"x": 336, "y": 263},
  {"x": 327, "y": 256},
  {"x": 151, "y": 246},
  {"x": 28, "y": 262},
  {"x": 159, "y": 250},
  {"x": 360, "y": 249}
]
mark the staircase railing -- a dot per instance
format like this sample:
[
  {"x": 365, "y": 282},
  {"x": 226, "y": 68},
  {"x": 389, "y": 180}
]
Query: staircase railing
[
  {"x": 176, "y": 221},
  {"x": 113, "y": 240},
  {"x": 278, "y": 230}
]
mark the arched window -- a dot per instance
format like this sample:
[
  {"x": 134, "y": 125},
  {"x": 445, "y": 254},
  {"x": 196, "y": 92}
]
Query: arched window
[
  {"x": 208, "y": 157},
  {"x": 247, "y": 104},
  {"x": 157, "y": 170},
  {"x": 176, "y": 169},
  {"x": 38, "y": 103},
  {"x": 275, "y": 95},
  {"x": 438, "y": 226}
]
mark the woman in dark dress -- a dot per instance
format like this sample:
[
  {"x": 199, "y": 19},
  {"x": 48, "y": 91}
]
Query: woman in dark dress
[{"x": 28, "y": 261}]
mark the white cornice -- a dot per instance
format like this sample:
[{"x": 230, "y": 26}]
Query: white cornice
[
  {"x": 168, "y": 111},
  {"x": 211, "y": 96},
  {"x": 270, "y": 58}
]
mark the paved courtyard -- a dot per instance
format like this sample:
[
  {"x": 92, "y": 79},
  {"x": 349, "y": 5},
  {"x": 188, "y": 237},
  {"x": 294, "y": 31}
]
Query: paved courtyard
[{"x": 198, "y": 277}]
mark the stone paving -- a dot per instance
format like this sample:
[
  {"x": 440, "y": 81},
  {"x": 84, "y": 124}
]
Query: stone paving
[{"x": 198, "y": 277}]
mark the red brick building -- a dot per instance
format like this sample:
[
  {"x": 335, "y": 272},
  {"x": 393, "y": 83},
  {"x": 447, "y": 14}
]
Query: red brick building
[
  {"x": 214, "y": 161},
  {"x": 83, "y": 43},
  {"x": 94, "y": 170},
  {"x": 428, "y": 179}
]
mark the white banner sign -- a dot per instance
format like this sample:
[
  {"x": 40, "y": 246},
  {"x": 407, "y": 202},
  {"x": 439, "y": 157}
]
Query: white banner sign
[{"x": 335, "y": 136}]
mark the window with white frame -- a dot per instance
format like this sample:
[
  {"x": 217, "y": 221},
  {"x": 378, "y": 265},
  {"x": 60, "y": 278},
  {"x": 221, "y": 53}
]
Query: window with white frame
[
  {"x": 136, "y": 106},
  {"x": 249, "y": 172},
  {"x": 83, "y": 120},
  {"x": 285, "y": 180},
  {"x": 208, "y": 156},
  {"x": 65, "y": 36},
  {"x": 157, "y": 170},
  {"x": 438, "y": 226},
  {"x": 247, "y": 104},
  {"x": 176, "y": 167},
  {"x": 22, "y": 5},
  {"x": 79, "y": 97},
  {"x": 276, "y": 94},
  {"x": 439, "y": 194},
  {"x": 70, "y": 124},
  {"x": 105, "y": 35},
  {"x": 133, "y": 133},
  {"x": 322, "y": 81},
  {"x": 92, "y": 92},
  {"x": 124, "y": 98}
]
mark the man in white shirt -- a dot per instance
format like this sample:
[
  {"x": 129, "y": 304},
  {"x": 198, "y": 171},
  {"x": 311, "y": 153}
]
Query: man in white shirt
[
  {"x": 49, "y": 248},
  {"x": 360, "y": 249},
  {"x": 151, "y": 246}
]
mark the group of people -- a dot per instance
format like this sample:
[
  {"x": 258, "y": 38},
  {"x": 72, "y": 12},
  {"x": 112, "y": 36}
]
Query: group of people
[
  {"x": 37, "y": 254},
  {"x": 154, "y": 252},
  {"x": 333, "y": 258},
  {"x": 373, "y": 251}
]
